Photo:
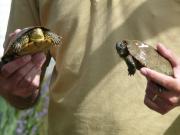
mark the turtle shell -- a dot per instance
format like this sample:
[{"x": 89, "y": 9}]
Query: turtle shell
[
  {"x": 147, "y": 56},
  {"x": 21, "y": 44}
]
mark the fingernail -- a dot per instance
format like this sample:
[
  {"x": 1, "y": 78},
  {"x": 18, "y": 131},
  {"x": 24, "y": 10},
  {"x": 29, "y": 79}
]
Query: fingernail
[
  {"x": 26, "y": 58},
  {"x": 41, "y": 56},
  {"x": 39, "y": 59},
  {"x": 160, "y": 45},
  {"x": 17, "y": 31},
  {"x": 143, "y": 71}
]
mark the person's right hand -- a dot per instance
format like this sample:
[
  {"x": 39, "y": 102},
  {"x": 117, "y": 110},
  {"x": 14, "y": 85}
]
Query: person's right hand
[
  {"x": 164, "y": 101},
  {"x": 21, "y": 77}
]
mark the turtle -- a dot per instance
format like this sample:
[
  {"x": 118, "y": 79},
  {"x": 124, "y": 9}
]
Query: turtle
[
  {"x": 30, "y": 40},
  {"x": 138, "y": 54}
]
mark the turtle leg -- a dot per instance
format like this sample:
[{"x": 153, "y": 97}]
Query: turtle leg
[
  {"x": 56, "y": 40},
  {"x": 131, "y": 65}
]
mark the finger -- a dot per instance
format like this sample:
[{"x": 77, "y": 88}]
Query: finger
[
  {"x": 38, "y": 59},
  {"x": 36, "y": 81},
  {"x": 177, "y": 72},
  {"x": 25, "y": 92},
  {"x": 10, "y": 36},
  {"x": 175, "y": 62},
  {"x": 14, "y": 33},
  {"x": 167, "y": 54},
  {"x": 162, "y": 104},
  {"x": 22, "y": 92},
  {"x": 21, "y": 73},
  {"x": 151, "y": 101},
  {"x": 29, "y": 89},
  {"x": 148, "y": 102},
  {"x": 27, "y": 80},
  {"x": 9, "y": 68},
  {"x": 172, "y": 98},
  {"x": 151, "y": 89},
  {"x": 166, "y": 81}
]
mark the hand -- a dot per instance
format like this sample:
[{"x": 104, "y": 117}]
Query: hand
[
  {"x": 21, "y": 77},
  {"x": 163, "y": 102}
]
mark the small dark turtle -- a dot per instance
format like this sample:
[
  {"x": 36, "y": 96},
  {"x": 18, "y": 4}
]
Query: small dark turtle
[
  {"x": 138, "y": 54},
  {"x": 29, "y": 41}
]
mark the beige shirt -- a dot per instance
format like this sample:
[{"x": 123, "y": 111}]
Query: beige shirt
[{"x": 91, "y": 92}]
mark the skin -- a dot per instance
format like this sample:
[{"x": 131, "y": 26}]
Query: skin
[
  {"x": 20, "y": 79},
  {"x": 166, "y": 100}
]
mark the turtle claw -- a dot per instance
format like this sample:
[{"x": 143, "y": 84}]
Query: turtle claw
[{"x": 131, "y": 71}]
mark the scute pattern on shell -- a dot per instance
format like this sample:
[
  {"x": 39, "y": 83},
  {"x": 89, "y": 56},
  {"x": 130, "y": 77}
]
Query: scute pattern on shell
[
  {"x": 21, "y": 45},
  {"x": 145, "y": 55},
  {"x": 149, "y": 57}
]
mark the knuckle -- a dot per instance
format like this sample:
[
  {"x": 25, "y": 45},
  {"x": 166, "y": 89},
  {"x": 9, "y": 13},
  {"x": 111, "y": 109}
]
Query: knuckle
[
  {"x": 18, "y": 62},
  {"x": 42, "y": 56},
  {"x": 26, "y": 58},
  {"x": 30, "y": 65},
  {"x": 173, "y": 101},
  {"x": 21, "y": 61}
]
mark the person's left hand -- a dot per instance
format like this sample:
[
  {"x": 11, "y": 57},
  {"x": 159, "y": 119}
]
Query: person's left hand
[{"x": 163, "y": 102}]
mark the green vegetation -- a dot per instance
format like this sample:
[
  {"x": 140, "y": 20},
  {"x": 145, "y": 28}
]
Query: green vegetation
[{"x": 27, "y": 122}]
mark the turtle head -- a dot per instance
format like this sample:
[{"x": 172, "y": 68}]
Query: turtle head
[
  {"x": 122, "y": 49},
  {"x": 37, "y": 35}
]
